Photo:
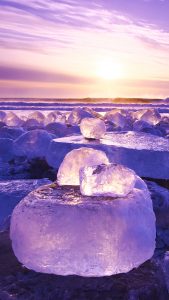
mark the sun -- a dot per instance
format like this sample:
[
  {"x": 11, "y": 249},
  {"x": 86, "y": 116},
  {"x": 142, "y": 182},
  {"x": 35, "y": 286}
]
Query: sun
[{"x": 109, "y": 70}]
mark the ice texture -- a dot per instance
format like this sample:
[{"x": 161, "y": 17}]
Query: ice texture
[
  {"x": 117, "y": 117},
  {"x": 107, "y": 180},
  {"x": 76, "y": 115},
  {"x": 92, "y": 128},
  {"x": 32, "y": 144},
  {"x": 148, "y": 128},
  {"x": 151, "y": 116},
  {"x": 57, "y": 230},
  {"x": 11, "y": 119},
  {"x": 6, "y": 149},
  {"x": 55, "y": 116},
  {"x": 13, "y": 191},
  {"x": 68, "y": 173},
  {"x": 146, "y": 154},
  {"x": 37, "y": 115}
]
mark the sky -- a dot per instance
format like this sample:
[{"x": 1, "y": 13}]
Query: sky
[{"x": 84, "y": 48}]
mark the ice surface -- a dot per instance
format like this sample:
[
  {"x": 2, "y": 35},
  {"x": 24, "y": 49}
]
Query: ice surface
[
  {"x": 107, "y": 180},
  {"x": 146, "y": 154},
  {"x": 68, "y": 173},
  {"x": 6, "y": 149},
  {"x": 76, "y": 115},
  {"x": 92, "y": 128},
  {"x": 32, "y": 144},
  {"x": 57, "y": 230},
  {"x": 11, "y": 192}
]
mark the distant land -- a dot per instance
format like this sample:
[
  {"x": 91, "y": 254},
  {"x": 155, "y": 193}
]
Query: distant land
[{"x": 120, "y": 100}]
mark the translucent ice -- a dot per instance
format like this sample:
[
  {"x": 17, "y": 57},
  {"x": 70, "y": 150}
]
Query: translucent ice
[
  {"x": 37, "y": 115},
  {"x": 57, "y": 230},
  {"x": 55, "y": 116},
  {"x": 116, "y": 117},
  {"x": 150, "y": 116},
  {"x": 107, "y": 180},
  {"x": 11, "y": 119},
  {"x": 77, "y": 115},
  {"x": 144, "y": 153},
  {"x": 68, "y": 173},
  {"x": 92, "y": 128},
  {"x": 32, "y": 144}
]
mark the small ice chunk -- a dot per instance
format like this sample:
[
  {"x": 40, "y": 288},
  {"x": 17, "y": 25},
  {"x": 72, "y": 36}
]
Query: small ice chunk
[
  {"x": 151, "y": 116},
  {"x": 77, "y": 115},
  {"x": 107, "y": 180},
  {"x": 55, "y": 116},
  {"x": 68, "y": 173},
  {"x": 117, "y": 117},
  {"x": 37, "y": 115},
  {"x": 11, "y": 119},
  {"x": 92, "y": 128}
]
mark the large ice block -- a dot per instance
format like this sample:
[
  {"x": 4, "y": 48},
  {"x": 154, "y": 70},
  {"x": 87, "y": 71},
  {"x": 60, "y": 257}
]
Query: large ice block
[
  {"x": 57, "y": 230},
  {"x": 146, "y": 154},
  {"x": 12, "y": 191}
]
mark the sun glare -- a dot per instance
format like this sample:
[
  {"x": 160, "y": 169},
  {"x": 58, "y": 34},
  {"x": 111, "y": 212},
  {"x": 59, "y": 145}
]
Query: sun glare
[{"x": 109, "y": 70}]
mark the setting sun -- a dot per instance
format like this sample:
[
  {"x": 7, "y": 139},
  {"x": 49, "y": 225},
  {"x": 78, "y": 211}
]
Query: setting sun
[{"x": 109, "y": 70}]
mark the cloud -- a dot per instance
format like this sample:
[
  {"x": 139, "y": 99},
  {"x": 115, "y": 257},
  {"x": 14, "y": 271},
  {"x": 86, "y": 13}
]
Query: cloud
[
  {"x": 61, "y": 23},
  {"x": 9, "y": 73}
]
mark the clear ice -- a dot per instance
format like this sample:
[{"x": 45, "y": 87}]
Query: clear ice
[
  {"x": 57, "y": 230},
  {"x": 92, "y": 128},
  {"x": 107, "y": 180},
  {"x": 68, "y": 173}
]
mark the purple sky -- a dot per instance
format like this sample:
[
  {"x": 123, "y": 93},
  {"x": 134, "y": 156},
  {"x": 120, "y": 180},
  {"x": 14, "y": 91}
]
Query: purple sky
[{"x": 73, "y": 48}]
